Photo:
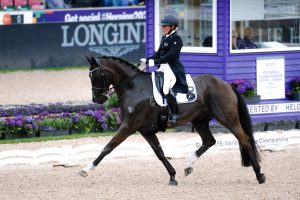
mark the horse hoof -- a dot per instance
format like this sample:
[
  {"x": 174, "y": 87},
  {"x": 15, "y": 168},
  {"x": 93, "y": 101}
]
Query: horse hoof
[
  {"x": 83, "y": 173},
  {"x": 261, "y": 179},
  {"x": 188, "y": 171},
  {"x": 173, "y": 183}
]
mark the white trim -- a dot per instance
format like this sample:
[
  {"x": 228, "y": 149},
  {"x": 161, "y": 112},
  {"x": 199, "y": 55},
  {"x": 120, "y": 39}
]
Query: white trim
[
  {"x": 238, "y": 51},
  {"x": 156, "y": 26},
  {"x": 187, "y": 49},
  {"x": 273, "y": 108},
  {"x": 199, "y": 49}
]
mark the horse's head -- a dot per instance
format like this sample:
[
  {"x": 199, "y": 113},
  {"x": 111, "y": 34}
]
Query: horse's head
[{"x": 100, "y": 81}]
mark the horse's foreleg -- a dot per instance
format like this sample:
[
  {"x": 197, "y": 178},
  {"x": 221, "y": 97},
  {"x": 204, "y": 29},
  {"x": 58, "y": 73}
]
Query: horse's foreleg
[
  {"x": 115, "y": 141},
  {"x": 155, "y": 145},
  {"x": 207, "y": 141}
]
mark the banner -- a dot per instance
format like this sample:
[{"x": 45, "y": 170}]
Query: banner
[
  {"x": 88, "y": 15},
  {"x": 66, "y": 44},
  {"x": 274, "y": 108}
]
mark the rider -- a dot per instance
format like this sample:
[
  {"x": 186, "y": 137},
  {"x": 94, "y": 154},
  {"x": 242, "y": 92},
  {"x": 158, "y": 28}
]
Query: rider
[{"x": 167, "y": 59}]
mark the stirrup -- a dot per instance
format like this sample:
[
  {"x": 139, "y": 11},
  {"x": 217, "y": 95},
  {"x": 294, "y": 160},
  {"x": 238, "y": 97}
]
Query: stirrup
[{"x": 172, "y": 119}]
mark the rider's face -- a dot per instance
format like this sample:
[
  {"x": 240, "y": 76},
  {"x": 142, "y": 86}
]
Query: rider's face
[{"x": 166, "y": 29}]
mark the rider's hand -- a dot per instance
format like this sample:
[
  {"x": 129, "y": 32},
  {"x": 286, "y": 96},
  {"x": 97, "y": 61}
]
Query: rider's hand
[
  {"x": 143, "y": 60},
  {"x": 142, "y": 64},
  {"x": 151, "y": 63}
]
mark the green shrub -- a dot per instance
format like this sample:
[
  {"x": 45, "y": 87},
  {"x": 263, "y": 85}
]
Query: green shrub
[{"x": 112, "y": 101}]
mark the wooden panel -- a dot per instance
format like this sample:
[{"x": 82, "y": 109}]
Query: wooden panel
[
  {"x": 248, "y": 76},
  {"x": 201, "y": 57},
  {"x": 204, "y": 70}
]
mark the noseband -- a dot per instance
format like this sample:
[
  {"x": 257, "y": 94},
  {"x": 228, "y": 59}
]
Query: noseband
[
  {"x": 100, "y": 89},
  {"x": 91, "y": 75}
]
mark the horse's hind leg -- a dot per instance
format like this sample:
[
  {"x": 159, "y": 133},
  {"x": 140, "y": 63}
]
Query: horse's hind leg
[
  {"x": 155, "y": 145},
  {"x": 248, "y": 152},
  {"x": 202, "y": 127}
]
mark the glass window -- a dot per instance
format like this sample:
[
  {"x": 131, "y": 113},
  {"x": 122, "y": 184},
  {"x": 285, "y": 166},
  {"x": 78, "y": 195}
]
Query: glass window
[
  {"x": 197, "y": 21},
  {"x": 265, "y": 25}
]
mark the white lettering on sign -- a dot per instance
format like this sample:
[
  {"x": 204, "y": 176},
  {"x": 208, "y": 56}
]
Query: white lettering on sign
[
  {"x": 105, "y": 16},
  {"x": 270, "y": 77},
  {"x": 274, "y": 108},
  {"x": 103, "y": 34}
]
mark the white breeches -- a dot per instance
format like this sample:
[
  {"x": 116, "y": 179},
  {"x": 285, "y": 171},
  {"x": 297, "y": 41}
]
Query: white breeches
[{"x": 169, "y": 77}]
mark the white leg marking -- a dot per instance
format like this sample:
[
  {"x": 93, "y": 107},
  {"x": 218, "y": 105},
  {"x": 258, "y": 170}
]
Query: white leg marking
[
  {"x": 89, "y": 167},
  {"x": 191, "y": 159},
  {"x": 84, "y": 171}
]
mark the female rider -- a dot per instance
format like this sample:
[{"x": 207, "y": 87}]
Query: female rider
[{"x": 167, "y": 59}]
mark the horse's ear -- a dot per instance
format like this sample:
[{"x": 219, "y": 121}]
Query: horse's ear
[
  {"x": 93, "y": 60},
  {"x": 88, "y": 59}
]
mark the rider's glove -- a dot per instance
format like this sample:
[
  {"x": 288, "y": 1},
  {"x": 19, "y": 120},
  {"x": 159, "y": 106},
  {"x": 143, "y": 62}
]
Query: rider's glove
[
  {"x": 142, "y": 64},
  {"x": 151, "y": 63},
  {"x": 143, "y": 60}
]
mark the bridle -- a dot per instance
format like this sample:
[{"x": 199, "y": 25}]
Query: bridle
[
  {"x": 101, "y": 89},
  {"x": 110, "y": 91},
  {"x": 91, "y": 75}
]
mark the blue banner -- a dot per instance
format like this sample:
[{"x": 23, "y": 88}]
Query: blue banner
[{"x": 89, "y": 15}]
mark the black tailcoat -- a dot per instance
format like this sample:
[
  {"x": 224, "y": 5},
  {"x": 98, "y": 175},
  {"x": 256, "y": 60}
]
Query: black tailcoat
[{"x": 169, "y": 52}]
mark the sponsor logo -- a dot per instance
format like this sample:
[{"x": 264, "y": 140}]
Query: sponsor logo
[{"x": 113, "y": 38}]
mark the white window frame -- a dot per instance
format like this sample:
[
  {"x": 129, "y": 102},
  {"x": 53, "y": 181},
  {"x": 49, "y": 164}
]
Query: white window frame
[
  {"x": 187, "y": 49},
  {"x": 238, "y": 51}
]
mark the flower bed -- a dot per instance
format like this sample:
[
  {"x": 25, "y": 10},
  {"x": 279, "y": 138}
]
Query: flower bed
[
  {"x": 247, "y": 90},
  {"x": 37, "y": 109},
  {"x": 244, "y": 87},
  {"x": 36, "y": 118}
]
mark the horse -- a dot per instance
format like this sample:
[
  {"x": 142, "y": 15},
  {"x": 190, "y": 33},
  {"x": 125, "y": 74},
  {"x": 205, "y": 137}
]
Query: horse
[{"x": 216, "y": 99}]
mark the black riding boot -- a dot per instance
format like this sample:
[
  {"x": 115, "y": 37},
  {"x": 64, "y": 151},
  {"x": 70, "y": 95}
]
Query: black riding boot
[{"x": 173, "y": 117}]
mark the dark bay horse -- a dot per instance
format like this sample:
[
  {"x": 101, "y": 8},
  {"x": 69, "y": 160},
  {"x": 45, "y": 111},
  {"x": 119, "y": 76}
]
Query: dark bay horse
[{"x": 216, "y": 100}]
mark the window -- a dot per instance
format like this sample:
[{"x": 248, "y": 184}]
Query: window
[
  {"x": 272, "y": 25},
  {"x": 197, "y": 23}
]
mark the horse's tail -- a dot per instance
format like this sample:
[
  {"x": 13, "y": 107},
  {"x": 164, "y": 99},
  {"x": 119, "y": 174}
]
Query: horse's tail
[{"x": 246, "y": 123}]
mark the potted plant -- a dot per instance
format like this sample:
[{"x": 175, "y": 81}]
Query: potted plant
[
  {"x": 54, "y": 126},
  {"x": 247, "y": 90},
  {"x": 295, "y": 88}
]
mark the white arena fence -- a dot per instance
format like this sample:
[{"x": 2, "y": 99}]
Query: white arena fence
[{"x": 173, "y": 148}]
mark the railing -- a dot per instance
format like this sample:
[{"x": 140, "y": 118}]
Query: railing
[{"x": 173, "y": 148}]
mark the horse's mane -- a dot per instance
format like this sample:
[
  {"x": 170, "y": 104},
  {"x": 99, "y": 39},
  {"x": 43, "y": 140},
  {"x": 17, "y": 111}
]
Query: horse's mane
[{"x": 121, "y": 60}]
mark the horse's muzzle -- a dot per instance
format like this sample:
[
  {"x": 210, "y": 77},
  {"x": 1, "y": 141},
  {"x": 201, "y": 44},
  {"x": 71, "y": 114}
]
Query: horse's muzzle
[{"x": 100, "y": 98}]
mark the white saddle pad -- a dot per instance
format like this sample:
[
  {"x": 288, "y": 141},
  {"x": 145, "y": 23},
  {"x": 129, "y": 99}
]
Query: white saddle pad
[{"x": 180, "y": 97}]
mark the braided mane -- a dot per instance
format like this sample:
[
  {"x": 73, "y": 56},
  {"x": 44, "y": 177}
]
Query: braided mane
[{"x": 121, "y": 60}]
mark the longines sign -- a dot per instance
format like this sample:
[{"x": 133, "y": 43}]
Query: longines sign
[
  {"x": 66, "y": 44},
  {"x": 110, "y": 39}
]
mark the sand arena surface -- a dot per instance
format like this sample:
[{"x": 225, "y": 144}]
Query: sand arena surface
[
  {"x": 216, "y": 176},
  {"x": 42, "y": 86}
]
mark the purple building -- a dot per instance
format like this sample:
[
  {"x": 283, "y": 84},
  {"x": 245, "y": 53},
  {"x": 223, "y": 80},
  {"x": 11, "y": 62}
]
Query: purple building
[{"x": 213, "y": 32}]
